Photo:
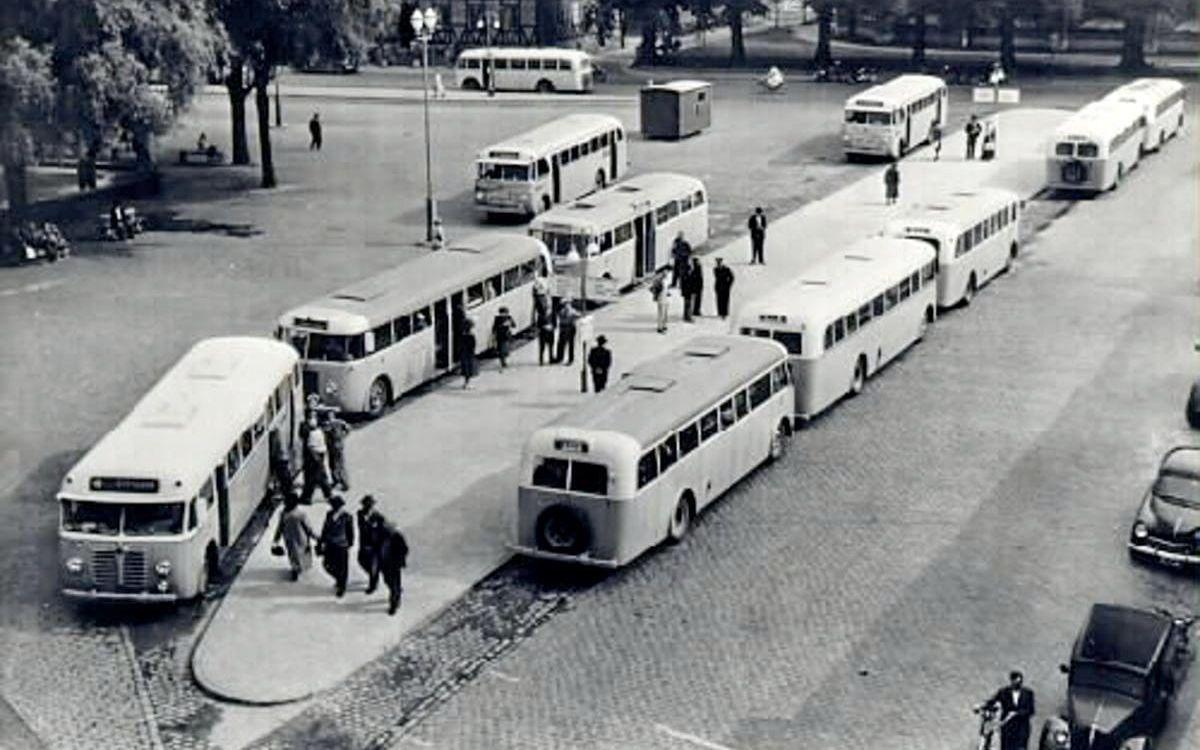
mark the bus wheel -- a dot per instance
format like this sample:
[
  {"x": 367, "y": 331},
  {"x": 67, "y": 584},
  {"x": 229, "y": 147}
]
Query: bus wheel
[
  {"x": 544, "y": 87},
  {"x": 781, "y": 440},
  {"x": 545, "y": 203},
  {"x": 860, "y": 376},
  {"x": 208, "y": 571},
  {"x": 561, "y": 530},
  {"x": 969, "y": 292},
  {"x": 378, "y": 397},
  {"x": 601, "y": 181},
  {"x": 681, "y": 519},
  {"x": 1012, "y": 256},
  {"x": 470, "y": 84}
]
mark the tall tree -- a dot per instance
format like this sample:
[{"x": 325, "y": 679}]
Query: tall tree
[
  {"x": 734, "y": 12},
  {"x": 823, "y": 57},
  {"x": 1137, "y": 18},
  {"x": 270, "y": 33},
  {"x": 26, "y": 106}
]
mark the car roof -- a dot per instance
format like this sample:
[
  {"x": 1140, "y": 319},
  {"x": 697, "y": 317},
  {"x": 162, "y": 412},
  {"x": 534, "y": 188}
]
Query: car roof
[
  {"x": 1129, "y": 636},
  {"x": 1182, "y": 461}
]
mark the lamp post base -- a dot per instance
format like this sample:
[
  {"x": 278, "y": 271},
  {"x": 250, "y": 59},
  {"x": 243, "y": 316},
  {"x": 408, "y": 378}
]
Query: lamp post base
[{"x": 430, "y": 212}]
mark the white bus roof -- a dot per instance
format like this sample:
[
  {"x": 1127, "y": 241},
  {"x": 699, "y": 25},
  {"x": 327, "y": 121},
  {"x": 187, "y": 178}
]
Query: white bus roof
[
  {"x": 529, "y": 53},
  {"x": 185, "y": 424},
  {"x": 616, "y": 204},
  {"x": 892, "y": 93},
  {"x": 1099, "y": 120},
  {"x": 358, "y": 307},
  {"x": 550, "y": 137},
  {"x": 955, "y": 211},
  {"x": 1158, "y": 88},
  {"x": 838, "y": 284},
  {"x": 659, "y": 395}
]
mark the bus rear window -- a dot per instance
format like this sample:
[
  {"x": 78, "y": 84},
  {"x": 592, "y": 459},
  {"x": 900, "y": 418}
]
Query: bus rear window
[
  {"x": 1089, "y": 150},
  {"x": 588, "y": 477},
  {"x": 868, "y": 118},
  {"x": 154, "y": 519},
  {"x": 551, "y": 473},
  {"x": 91, "y": 518}
]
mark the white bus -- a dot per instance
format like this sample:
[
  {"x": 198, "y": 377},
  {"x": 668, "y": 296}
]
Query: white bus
[
  {"x": 894, "y": 117},
  {"x": 366, "y": 344},
  {"x": 635, "y": 464},
  {"x": 560, "y": 161},
  {"x": 1162, "y": 101},
  {"x": 145, "y": 515},
  {"x": 975, "y": 233},
  {"x": 847, "y": 316},
  {"x": 633, "y": 225},
  {"x": 1096, "y": 147},
  {"x": 525, "y": 69}
]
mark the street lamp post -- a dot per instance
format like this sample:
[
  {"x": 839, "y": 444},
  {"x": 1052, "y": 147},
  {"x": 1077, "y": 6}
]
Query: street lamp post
[
  {"x": 423, "y": 25},
  {"x": 579, "y": 261},
  {"x": 486, "y": 24}
]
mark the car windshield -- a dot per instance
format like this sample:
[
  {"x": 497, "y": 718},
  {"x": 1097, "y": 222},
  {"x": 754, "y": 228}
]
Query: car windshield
[
  {"x": 1178, "y": 490},
  {"x": 133, "y": 519},
  {"x": 1108, "y": 677},
  {"x": 868, "y": 118},
  {"x": 489, "y": 170}
]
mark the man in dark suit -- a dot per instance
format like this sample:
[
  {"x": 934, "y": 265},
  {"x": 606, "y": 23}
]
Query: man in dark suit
[
  {"x": 337, "y": 537},
  {"x": 393, "y": 557},
  {"x": 1016, "y": 712},
  {"x": 758, "y": 235}
]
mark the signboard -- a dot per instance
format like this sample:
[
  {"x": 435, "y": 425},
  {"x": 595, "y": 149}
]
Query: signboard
[
  {"x": 991, "y": 95},
  {"x": 983, "y": 95},
  {"x": 1010, "y": 96},
  {"x": 123, "y": 484}
]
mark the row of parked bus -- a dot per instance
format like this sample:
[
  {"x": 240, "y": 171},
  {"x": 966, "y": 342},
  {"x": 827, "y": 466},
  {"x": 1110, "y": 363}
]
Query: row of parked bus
[{"x": 1099, "y": 144}]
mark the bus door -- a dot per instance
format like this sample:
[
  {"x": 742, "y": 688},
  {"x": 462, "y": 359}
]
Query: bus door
[
  {"x": 441, "y": 335},
  {"x": 907, "y": 117},
  {"x": 555, "y": 179},
  {"x": 643, "y": 250},
  {"x": 458, "y": 319},
  {"x": 612, "y": 155},
  {"x": 223, "y": 506}
]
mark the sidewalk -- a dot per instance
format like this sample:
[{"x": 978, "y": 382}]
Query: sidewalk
[
  {"x": 443, "y": 465},
  {"x": 414, "y": 94}
]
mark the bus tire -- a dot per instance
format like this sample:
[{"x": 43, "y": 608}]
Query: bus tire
[
  {"x": 470, "y": 84},
  {"x": 208, "y": 570},
  {"x": 546, "y": 203},
  {"x": 379, "y": 397},
  {"x": 601, "y": 180},
  {"x": 1012, "y": 256},
  {"x": 562, "y": 530},
  {"x": 860, "y": 376},
  {"x": 781, "y": 441},
  {"x": 681, "y": 518},
  {"x": 969, "y": 292},
  {"x": 544, "y": 87}
]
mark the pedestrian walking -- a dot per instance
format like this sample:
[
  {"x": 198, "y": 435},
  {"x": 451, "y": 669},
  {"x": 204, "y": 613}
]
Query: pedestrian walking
[
  {"x": 315, "y": 474},
  {"x": 681, "y": 259},
  {"x": 393, "y": 558},
  {"x": 722, "y": 285},
  {"x": 758, "y": 235},
  {"x": 599, "y": 362},
  {"x": 503, "y": 327},
  {"x": 296, "y": 536},
  {"x": 660, "y": 291},
  {"x": 567, "y": 318},
  {"x": 439, "y": 88},
  {"x": 439, "y": 234},
  {"x": 689, "y": 288},
  {"x": 1017, "y": 708},
  {"x": 891, "y": 183},
  {"x": 367, "y": 518},
  {"x": 336, "y": 431},
  {"x": 466, "y": 352},
  {"x": 973, "y": 131},
  {"x": 935, "y": 136},
  {"x": 697, "y": 276},
  {"x": 314, "y": 130},
  {"x": 545, "y": 328},
  {"x": 337, "y": 537}
]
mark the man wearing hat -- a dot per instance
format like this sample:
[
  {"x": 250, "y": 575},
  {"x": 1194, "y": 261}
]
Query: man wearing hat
[
  {"x": 337, "y": 537},
  {"x": 368, "y": 519},
  {"x": 503, "y": 327},
  {"x": 599, "y": 361}
]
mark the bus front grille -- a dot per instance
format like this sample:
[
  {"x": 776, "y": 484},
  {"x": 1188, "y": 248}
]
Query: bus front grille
[{"x": 117, "y": 571}]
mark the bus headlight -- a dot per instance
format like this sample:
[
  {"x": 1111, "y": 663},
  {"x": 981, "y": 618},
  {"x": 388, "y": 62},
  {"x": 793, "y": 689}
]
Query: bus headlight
[
  {"x": 479, "y": 196},
  {"x": 74, "y": 566},
  {"x": 163, "y": 569}
]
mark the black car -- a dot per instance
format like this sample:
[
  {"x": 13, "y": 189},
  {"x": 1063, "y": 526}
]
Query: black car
[
  {"x": 1124, "y": 669},
  {"x": 1167, "y": 527}
]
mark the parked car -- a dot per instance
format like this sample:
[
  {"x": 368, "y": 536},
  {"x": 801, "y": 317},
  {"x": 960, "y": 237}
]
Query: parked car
[
  {"x": 1167, "y": 527},
  {"x": 1193, "y": 406},
  {"x": 1125, "y": 667}
]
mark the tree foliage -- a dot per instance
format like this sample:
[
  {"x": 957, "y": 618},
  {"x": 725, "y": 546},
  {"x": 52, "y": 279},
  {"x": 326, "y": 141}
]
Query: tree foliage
[{"x": 26, "y": 106}]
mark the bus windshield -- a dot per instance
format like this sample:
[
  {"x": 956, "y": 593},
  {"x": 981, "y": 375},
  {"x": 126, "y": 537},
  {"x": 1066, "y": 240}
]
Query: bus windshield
[
  {"x": 328, "y": 348},
  {"x": 868, "y": 118},
  {"x": 505, "y": 172},
  {"x": 111, "y": 519},
  {"x": 561, "y": 243}
]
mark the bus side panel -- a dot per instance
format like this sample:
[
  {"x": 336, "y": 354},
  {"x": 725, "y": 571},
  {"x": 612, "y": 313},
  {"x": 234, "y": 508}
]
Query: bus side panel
[{"x": 248, "y": 487}]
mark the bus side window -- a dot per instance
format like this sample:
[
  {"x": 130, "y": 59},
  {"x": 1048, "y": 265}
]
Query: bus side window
[
  {"x": 604, "y": 139},
  {"x": 779, "y": 378},
  {"x": 930, "y": 270},
  {"x": 543, "y": 167},
  {"x": 623, "y": 234},
  {"x": 743, "y": 406},
  {"x": 260, "y": 426},
  {"x": 574, "y": 152},
  {"x": 760, "y": 391},
  {"x": 839, "y": 330},
  {"x": 500, "y": 63},
  {"x": 492, "y": 288},
  {"x": 401, "y": 327},
  {"x": 474, "y": 296},
  {"x": 383, "y": 336},
  {"x": 864, "y": 315},
  {"x": 192, "y": 511},
  {"x": 512, "y": 278},
  {"x": 518, "y": 64},
  {"x": 699, "y": 199},
  {"x": 528, "y": 272},
  {"x": 247, "y": 443},
  {"x": 585, "y": 148},
  {"x": 647, "y": 469},
  {"x": 667, "y": 454},
  {"x": 564, "y": 157},
  {"x": 828, "y": 337},
  {"x": 606, "y": 241},
  {"x": 689, "y": 439},
  {"x": 915, "y": 280},
  {"x": 708, "y": 425},
  {"x": 685, "y": 204},
  {"x": 535, "y": 64},
  {"x": 851, "y": 323},
  {"x": 233, "y": 460},
  {"x": 595, "y": 143},
  {"x": 727, "y": 414},
  {"x": 877, "y": 306}
]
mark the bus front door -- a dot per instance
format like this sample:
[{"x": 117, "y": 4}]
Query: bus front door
[
  {"x": 612, "y": 155},
  {"x": 223, "y": 506},
  {"x": 555, "y": 179},
  {"x": 643, "y": 230},
  {"x": 441, "y": 335}
]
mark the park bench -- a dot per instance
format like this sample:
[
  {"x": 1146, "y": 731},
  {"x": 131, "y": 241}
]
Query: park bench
[{"x": 204, "y": 157}]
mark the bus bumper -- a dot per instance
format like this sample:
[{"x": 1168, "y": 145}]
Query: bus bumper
[
  {"x": 583, "y": 559},
  {"x": 139, "y": 596}
]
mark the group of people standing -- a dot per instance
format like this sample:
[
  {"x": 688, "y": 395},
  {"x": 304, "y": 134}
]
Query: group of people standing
[{"x": 687, "y": 274}]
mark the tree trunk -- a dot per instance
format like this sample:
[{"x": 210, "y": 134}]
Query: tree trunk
[
  {"x": 737, "y": 42},
  {"x": 1008, "y": 40},
  {"x": 236, "y": 87},
  {"x": 824, "y": 55},
  {"x": 645, "y": 50},
  {"x": 918, "y": 54},
  {"x": 262, "y": 103},
  {"x": 851, "y": 22},
  {"x": 1133, "y": 47},
  {"x": 16, "y": 186}
]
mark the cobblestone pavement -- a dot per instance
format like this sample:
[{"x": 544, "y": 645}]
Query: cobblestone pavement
[{"x": 951, "y": 523}]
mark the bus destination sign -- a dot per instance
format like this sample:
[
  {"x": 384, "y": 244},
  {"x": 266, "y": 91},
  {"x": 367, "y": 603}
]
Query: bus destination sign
[
  {"x": 314, "y": 323},
  {"x": 124, "y": 484},
  {"x": 570, "y": 446}
]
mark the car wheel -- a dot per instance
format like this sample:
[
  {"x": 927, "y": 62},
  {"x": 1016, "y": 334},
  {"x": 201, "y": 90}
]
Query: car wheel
[
  {"x": 378, "y": 397},
  {"x": 681, "y": 519}
]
